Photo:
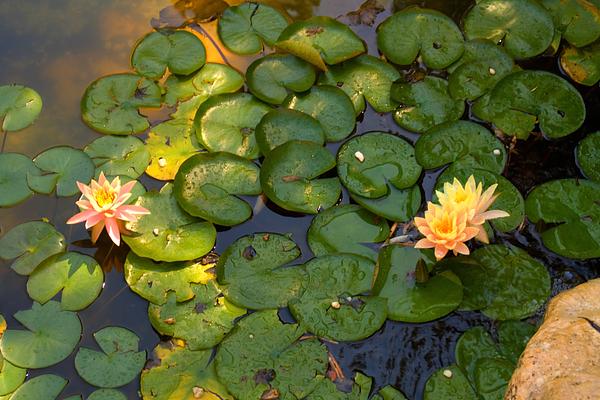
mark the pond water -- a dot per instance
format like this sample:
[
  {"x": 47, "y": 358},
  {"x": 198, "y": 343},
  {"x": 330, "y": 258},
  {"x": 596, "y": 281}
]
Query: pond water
[{"x": 59, "y": 46}]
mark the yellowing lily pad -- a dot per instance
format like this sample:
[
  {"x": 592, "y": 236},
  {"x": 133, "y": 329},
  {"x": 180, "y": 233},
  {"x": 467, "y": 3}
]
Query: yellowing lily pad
[
  {"x": 578, "y": 21},
  {"x": 582, "y": 64},
  {"x": 114, "y": 155},
  {"x": 19, "y": 107},
  {"x": 588, "y": 156},
  {"x": 42, "y": 387},
  {"x": 65, "y": 166},
  {"x": 14, "y": 170},
  {"x": 282, "y": 125}
]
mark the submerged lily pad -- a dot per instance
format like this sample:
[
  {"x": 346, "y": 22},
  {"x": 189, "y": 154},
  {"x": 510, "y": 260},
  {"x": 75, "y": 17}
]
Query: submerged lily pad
[
  {"x": 263, "y": 354},
  {"x": 422, "y": 32},
  {"x": 571, "y": 206},
  {"x": 290, "y": 177},
  {"x": 397, "y": 205},
  {"x": 110, "y": 104},
  {"x": 180, "y": 51},
  {"x": 425, "y": 104},
  {"x": 321, "y": 41},
  {"x": 42, "y": 387},
  {"x": 523, "y": 27},
  {"x": 207, "y": 186},
  {"x": 588, "y": 156},
  {"x": 114, "y": 155},
  {"x": 51, "y": 336},
  {"x": 31, "y": 243},
  {"x": 456, "y": 387},
  {"x": 582, "y": 64},
  {"x": 14, "y": 169},
  {"x": 65, "y": 166},
  {"x": 19, "y": 107},
  {"x": 168, "y": 233},
  {"x": 252, "y": 272},
  {"x": 578, "y": 21},
  {"x": 117, "y": 364},
  {"x": 282, "y": 125}
]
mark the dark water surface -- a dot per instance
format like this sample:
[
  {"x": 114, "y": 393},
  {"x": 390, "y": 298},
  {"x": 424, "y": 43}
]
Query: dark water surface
[{"x": 59, "y": 46}]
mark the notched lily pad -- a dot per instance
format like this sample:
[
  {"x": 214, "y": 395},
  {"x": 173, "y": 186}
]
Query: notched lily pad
[
  {"x": 64, "y": 166},
  {"x": 582, "y": 64},
  {"x": 114, "y": 155},
  {"x": 14, "y": 170},
  {"x": 456, "y": 387},
  {"x": 588, "y": 156},
  {"x": 42, "y": 387},
  {"x": 357, "y": 390},
  {"x": 19, "y": 107},
  {"x": 397, "y": 205},
  {"x": 578, "y": 21},
  {"x": 282, "y": 125}
]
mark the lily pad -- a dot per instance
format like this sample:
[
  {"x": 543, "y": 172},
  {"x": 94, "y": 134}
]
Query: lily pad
[
  {"x": 226, "y": 122},
  {"x": 282, "y": 125},
  {"x": 168, "y": 233},
  {"x": 407, "y": 299},
  {"x": 523, "y": 27},
  {"x": 245, "y": 28},
  {"x": 578, "y": 21},
  {"x": 290, "y": 177},
  {"x": 398, "y": 205},
  {"x": 472, "y": 346},
  {"x": 207, "y": 186},
  {"x": 66, "y": 166},
  {"x": 360, "y": 390},
  {"x": 42, "y": 387},
  {"x": 110, "y": 104},
  {"x": 571, "y": 206},
  {"x": 364, "y": 78},
  {"x": 330, "y": 106},
  {"x": 514, "y": 336},
  {"x": 414, "y": 32},
  {"x": 463, "y": 144},
  {"x": 201, "y": 322},
  {"x": 263, "y": 354},
  {"x": 425, "y": 104},
  {"x": 51, "y": 336},
  {"x": 457, "y": 387},
  {"x": 476, "y": 295},
  {"x": 19, "y": 107},
  {"x": 588, "y": 156},
  {"x": 31, "y": 243},
  {"x": 252, "y": 272},
  {"x": 180, "y": 51},
  {"x": 155, "y": 281},
  {"x": 389, "y": 393},
  {"x": 11, "y": 376},
  {"x": 107, "y": 394},
  {"x": 346, "y": 229},
  {"x": 117, "y": 364},
  {"x": 79, "y": 277},
  {"x": 332, "y": 305},
  {"x": 582, "y": 64},
  {"x": 115, "y": 155},
  {"x": 321, "y": 41},
  {"x": 273, "y": 77},
  {"x": 14, "y": 169}
]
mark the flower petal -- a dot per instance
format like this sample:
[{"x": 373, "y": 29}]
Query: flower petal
[
  {"x": 440, "y": 252},
  {"x": 82, "y": 216},
  {"x": 113, "y": 230},
  {"x": 424, "y": 244},
  {"x": 96, "y": 231},
  {"x": 94, "y": 220}
]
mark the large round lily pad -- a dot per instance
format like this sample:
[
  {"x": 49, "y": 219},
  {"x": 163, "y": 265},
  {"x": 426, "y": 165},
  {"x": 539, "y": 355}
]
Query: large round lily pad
[
  {"x": 31, "y": 243},
  {"x": 180, "y": 51},
  {"x": 14, "y": 169},
  {"x": 115, "y": 155},
  {"x": 207, "y": 186},
  {"x": 321, "y": 41},
  {"x": 65, "y": 166},
  {"x": 118, "y": 362},
  {"x": 397, "y": 205},
  {"x": 571, "y": 206},
  {"x": 42, "y": 387},
  {"x": 424, "y": 104},
  {"x": 262, "y": 354},
  {"x": 455, "y": 387},
  {"x": 588, "y": 156},
  {"x": 79, "y": 277},
  {"x": 51, "y": 336},
  {"x": 523, "y": 27},
  {"x": 582, "y": 64},
  {"x": 476, "y": 296},
  {"x": 282, "y": 125},
  {"x": 11, "y": 376},
  {"x": 578, "y": 21},
  {"x": 19, "y": 107},
  {"x": 168, "y": 233},
  {"x": 420, "y": 32},
  {"x": 332, "y": 305},
  {"x": 290, "y": 177},
  {"x": 252, "y": 272}
]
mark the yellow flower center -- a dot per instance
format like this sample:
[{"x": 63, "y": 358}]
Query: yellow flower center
[
  {"x": 105, "y": 197},
  {"x": 445, "y": 225}
]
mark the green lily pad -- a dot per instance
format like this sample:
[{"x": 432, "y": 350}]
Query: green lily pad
[
  {"x": 524, "y": 28},
  {"x": 345, "y": 229},
  {"x": 474, "y": 345},
  {"x": 282, "y": 125},
  {"x": 330, "y": 106},
  {"x": 117, "y": 364},
  {"x": 19, "y": 107},
  {"x": 11, "y": 376},
  {"x": 321, "y": 41},
  {"x": 31, "y": 243},
  {"x": 180, "y": 51},
  {"x": 367, "y": 163},
  {"x": 290, "y": 177},
  {"x": 252, "y": 272},
  {"x": 14, "y": 169},
  {"x": 492, "y": 376},
  {"x": 514, "y": 336},
  {"x": 425, "y": 104},
  {"x": 481, "y": 67},
  {"x": 51, "y": 336},
  {"x": 226, "y": 122},
  {"x": 398, "y": 205},
  {"x": 476, "y": 296},
  {"x": 115, "y": 155},
  {"x": 273, "y": 77},
  {"x": 42, "y": 387},
  {"x": 457, "y": 387},
  {"x": 263, "y": 354},
  {"x": 389, "y": 393},
  {"x": 207, "y": 186},
  {"x": 244, "y": 29},
  {"x": 361, "y": 388},
  {"x": 578, "y": 21},
  {"x": 364, "y": 78},
  {"x": 79, "y": 277},
  {"x": 68, "y": 165},
  {"x": 420, "y": 32},
  {"x": 178, "y": 372},
  {"x": 110, "y": 104},
  {"x": 463, "y": 144},
  {"x": 154, "y": 281},
  {"x": 201, "y": 322},
  {"x": 168, "y": 233},
  {"x": 582, "y": 64},
  {"x": 409, "y": 300},
  {"x": 107, "y": 394},
  {"x": 571, "y": 206},
  {"x": 332, "y": 305},
  {"x": 588, "y": 157}
]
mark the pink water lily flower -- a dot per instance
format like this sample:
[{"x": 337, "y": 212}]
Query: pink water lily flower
[{"x": 102, "y": 204}]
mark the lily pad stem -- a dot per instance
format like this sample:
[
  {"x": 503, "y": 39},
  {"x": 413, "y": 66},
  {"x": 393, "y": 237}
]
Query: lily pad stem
[
  {"x": 203, "y": 31},
  {"x": 4, "y": 136}
]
